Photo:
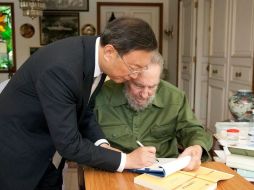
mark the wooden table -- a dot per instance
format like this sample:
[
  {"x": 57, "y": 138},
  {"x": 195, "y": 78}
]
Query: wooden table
[{"x": 102, "y": 180}]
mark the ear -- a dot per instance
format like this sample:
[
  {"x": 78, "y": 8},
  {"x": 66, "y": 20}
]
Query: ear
[{"x": 109, "y": 52}]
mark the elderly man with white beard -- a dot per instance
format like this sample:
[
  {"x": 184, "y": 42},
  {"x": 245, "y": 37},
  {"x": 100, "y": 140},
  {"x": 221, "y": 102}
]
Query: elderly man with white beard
[{"x": 153, "y": 112}]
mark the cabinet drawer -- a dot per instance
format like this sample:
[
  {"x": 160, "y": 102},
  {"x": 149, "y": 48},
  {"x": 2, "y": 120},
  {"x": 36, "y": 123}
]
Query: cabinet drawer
[
  {"x": 217, "y": 72},
  {"x": 241, "y": 74}
]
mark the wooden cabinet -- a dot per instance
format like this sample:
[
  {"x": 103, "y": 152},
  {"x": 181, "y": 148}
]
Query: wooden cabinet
[
  {"x": 230, "y": 55},
  {"x": 215, "y": 59}
]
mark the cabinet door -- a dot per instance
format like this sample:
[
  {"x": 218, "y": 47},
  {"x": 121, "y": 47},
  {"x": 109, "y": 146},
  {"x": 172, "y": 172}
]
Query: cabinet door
[
  {"x": 201, "y": 73},
  {"x": 186, "y": 62},
  {"x": 216, "y": 104},
  {"x": 218, "y": 63},
  {"x": 241, "y": 45}
]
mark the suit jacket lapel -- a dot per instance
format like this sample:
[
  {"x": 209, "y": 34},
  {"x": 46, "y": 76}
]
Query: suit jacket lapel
[{"x": 88, "y": 65}]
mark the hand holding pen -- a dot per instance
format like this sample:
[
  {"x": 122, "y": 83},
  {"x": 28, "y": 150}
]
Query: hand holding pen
[
  {"x": 141, "y": 145},
  {"x": 140, "y": 157}
]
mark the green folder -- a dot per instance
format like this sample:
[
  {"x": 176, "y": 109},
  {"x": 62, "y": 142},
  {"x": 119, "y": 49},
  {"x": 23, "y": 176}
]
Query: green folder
[{"x": 241, "y": 151}]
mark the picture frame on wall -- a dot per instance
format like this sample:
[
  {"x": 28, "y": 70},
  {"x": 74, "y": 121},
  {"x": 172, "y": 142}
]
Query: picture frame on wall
[
  {"x": 58, "y": 25},
  {"x": 27, "y": 30},
  {"x": 152, "y": 13},
  {"x": 67, "y": 5},
  {"x": 7, "y": 39}
]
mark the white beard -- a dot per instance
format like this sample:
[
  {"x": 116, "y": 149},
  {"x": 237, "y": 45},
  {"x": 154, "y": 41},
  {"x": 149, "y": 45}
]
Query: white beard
[{"x": 132, "y": 102}]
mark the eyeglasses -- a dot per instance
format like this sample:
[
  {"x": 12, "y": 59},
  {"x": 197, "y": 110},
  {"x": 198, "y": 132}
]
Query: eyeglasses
[{"x": 132, "y": 70}]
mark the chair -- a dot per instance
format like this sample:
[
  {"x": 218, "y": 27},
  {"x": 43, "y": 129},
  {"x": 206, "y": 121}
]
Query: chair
[
  {"x": 81, "y": 180},
  {"x": 3, "y": 84}
]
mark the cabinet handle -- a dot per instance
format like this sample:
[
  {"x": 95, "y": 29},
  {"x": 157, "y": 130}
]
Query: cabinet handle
[
  {"x": 238, "y": 74},
  {"x": 208, "y": 67},
  {"x": 184, "y": 67},
  {"x": 215, "y": 71}
]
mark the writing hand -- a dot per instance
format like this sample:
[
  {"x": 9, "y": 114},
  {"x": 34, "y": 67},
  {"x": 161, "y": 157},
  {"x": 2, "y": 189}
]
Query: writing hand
[
  {"x": 141, "y": 157},
  {"x": 141, "y": 145},
  {"x": 195, "y": 152}
]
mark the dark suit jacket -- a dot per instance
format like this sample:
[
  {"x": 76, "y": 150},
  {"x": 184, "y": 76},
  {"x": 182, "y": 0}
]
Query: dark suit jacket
[{"x": 45, "y": 108}]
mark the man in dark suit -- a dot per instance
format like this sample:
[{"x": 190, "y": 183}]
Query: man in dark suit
[{"x": 47, "y": 106}]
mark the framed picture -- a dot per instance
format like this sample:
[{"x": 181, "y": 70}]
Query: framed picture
[
  {"x": 58, "y": 25},
  {"x": 152, "y": 13},
  {"x": 88, "y": 29},
  {"x": 67, "y": 5},
  {"x": 27, "y": 30},
  {"x": 7, "y": 39}
]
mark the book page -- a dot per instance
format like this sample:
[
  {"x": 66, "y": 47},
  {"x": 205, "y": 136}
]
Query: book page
[
  {"x": 175, "y": 165},
  {"x": 176, "y": 181},
  {"x": 208, "y": 174},
  {"x": 161, "y": 162},
  {"x": 155, "y": 168}
]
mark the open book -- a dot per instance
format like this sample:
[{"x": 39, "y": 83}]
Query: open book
[
  {"x": 203, "y": 178},
  {"x": 167, "y": 175},
  {"x": 165, "y": 167}
]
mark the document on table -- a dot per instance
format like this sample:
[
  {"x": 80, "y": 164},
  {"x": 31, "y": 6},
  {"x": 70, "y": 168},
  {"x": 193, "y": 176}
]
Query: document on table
[
  {"x": 165, "y": 166},
  {"x": 202, "y": 178}
]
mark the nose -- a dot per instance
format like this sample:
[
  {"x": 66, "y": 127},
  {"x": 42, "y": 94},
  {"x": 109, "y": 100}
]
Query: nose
[{"x": 145, "y": 93}]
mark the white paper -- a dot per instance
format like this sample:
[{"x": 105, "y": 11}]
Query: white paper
[
  {"x": 221, "y": 155},
  {"x": 175, "y": 165}
]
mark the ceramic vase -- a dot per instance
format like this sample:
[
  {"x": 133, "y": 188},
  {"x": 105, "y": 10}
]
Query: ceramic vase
[{"x": 241, "y": 105}]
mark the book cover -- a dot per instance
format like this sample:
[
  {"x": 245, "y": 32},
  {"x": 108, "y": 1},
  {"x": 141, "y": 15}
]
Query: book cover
[
  {"x": 245, "y": 173},
  {"x": 203, "y": 178},
  {"x": 241, "y": 151}
]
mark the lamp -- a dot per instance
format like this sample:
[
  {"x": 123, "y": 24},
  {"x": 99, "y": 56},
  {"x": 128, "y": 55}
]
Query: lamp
[{"x": 32, "y": 8}]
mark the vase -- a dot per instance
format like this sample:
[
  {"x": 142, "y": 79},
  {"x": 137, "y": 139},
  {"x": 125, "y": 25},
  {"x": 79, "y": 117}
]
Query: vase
[{"x": 241, "y": 105}]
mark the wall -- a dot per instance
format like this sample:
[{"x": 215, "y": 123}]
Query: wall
[{"x": 23, "y": 44}]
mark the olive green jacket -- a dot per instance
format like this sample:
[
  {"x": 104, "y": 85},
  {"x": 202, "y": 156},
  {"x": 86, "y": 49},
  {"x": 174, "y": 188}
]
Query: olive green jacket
[{"x": 166, "y": 124}]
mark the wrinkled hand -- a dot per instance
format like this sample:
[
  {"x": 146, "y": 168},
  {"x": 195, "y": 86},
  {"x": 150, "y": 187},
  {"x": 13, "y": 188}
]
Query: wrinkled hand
[
  {"x": 141, "y": 157},
  {"x": 195, "y": 152},
  {"x": 104, "y": 145}
]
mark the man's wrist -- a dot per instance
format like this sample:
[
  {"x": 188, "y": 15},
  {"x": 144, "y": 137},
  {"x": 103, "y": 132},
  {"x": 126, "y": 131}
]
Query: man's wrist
[{"x": 122, "y": 162}]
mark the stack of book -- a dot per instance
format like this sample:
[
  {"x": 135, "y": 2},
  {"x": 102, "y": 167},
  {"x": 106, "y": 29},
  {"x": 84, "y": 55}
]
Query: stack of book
[
  {"x": 237, "y": 154},
  {"x": 247, "y": 174},
  {"x": 243, "y": 161}
]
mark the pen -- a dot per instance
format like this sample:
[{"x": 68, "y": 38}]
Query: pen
[{"x": 141, "y": 145}]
